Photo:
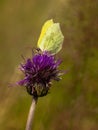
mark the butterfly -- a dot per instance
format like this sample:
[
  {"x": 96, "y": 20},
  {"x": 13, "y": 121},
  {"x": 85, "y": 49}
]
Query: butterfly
[{"x": 51, "y": 37}]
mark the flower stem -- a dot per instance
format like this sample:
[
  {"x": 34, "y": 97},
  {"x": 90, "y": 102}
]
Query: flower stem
[{"x": 31, "y": 114}]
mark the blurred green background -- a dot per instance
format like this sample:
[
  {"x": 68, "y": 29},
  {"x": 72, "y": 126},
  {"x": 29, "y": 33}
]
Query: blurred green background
[{"x": 73, "y": 102}]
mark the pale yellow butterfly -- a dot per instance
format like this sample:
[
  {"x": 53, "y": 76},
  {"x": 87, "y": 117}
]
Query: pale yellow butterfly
[{"x": 51, "y": 37}]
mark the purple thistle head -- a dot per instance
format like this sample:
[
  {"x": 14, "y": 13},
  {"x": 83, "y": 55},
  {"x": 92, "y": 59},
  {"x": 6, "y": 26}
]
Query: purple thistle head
[{"x": 39, "y": 71}]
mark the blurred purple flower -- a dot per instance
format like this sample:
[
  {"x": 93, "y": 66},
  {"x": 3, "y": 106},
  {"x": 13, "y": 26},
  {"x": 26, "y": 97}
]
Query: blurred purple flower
[{"x": 38, "y": 73}]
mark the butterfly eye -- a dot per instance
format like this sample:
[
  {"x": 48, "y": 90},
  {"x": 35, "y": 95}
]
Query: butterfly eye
[{"x": 38, "y": 49}]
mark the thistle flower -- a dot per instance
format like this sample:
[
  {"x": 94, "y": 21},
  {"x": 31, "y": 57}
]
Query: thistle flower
[
  {"x": 42, "y": 68},
  {"x": 38, "y": 72}
]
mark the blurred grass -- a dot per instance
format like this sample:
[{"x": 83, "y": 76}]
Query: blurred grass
[{"x": 73, "y": 102}]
